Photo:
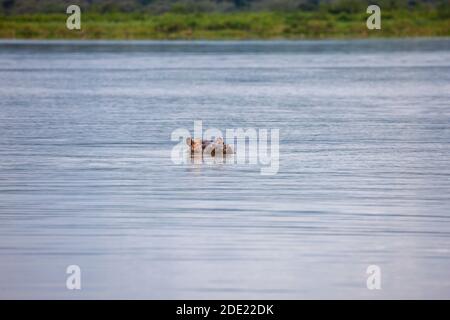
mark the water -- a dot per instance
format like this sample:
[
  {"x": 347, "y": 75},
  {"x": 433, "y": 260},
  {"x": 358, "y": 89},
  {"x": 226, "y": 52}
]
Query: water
[{"x": 86, "y": 176}]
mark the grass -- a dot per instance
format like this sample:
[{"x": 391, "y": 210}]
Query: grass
[{"x": 221, "y": 26}]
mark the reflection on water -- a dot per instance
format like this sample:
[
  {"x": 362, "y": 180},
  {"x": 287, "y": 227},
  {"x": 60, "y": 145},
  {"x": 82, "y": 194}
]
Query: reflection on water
[{"x": 86, "y": 176}]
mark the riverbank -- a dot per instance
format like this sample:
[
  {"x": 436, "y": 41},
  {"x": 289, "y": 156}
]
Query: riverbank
[{"x": 222, "y": 26}]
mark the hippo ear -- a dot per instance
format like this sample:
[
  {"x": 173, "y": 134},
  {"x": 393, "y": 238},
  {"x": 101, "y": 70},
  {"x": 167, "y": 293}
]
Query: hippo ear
[{"x": 188, "y": 141}]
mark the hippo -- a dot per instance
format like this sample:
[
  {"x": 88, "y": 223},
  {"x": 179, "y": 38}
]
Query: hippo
[{"x": 209, "y": 146}]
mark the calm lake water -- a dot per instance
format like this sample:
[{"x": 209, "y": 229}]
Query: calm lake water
[{"x": 86, "y": 176}]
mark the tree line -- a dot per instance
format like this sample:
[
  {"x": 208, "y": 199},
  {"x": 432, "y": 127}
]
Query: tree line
[{"x": 11, "y": 7}]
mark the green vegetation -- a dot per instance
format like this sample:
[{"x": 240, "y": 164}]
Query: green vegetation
[
  {"x": 252, "y": 25},
  {"x": 214, "y": 19}
]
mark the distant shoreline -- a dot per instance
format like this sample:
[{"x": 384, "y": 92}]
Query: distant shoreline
[
  {"x": 209, "y": 41},
  {"x": 226, "y": 26}
]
